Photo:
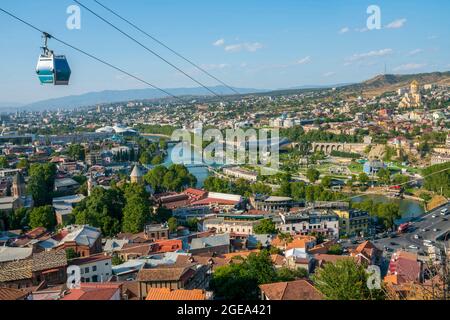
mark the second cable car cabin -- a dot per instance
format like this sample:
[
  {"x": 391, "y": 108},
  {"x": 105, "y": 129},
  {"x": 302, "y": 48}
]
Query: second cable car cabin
[{"x": 51, "y": 68}]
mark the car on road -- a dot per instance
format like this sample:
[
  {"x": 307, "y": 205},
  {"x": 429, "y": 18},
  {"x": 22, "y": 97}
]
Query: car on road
[
  {"x": 444, "y": 211},
  {"x": 424, "y": 230},
  {"x": 413, "y": 247},
  {"x": 433, "y": 216},
  {"x": 416, "y": 236},
  {"x": 393, "y": 243},
  {"x": 435, "y": 230}
]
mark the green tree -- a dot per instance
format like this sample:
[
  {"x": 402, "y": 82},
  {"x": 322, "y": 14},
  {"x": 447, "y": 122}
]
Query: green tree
[
  {"x": 363, "y": 178},
  {"x": 285, "y": 238},
  {"x": 42, "y": 217},
  {"x": 19, "y": 218},
  {"x": 103, "y": 209},
  {"x": 437, "y": 179},
  {"x": 116, "y": 260},
  {"x": 344, "y": 280},
  {"x": 216, "y": 184},
  {"x": 261, "y": 188},
  {"x": 286, "y": 274},
  {"x": 145, "y": 158},
  {"x": 326, "y": 181},
  {"x": 22, "y": 164},
  {"x": 335, "y": 249},
  {"x": 136, "y": 212},
  {"x": 192, "y": 224},
  {"x": 3, "y": 162},
  {"x": 266, "y": 226},
  {"x": 298, "y": 190},
  {"x": 384, "y": 175},
  {"x": 155, "y": 178},
  {"x": 389, "y": 212},
  {"x": 76, "y": 152},
  {"x": 157, "y": 160},
  {"x": 240, "y": 280},
  {"x": 71, "y": 254},
  {"x": 312, "y": 175},
  {"x": 173, "y": 224},
  {"x": 41, "y": 183}
]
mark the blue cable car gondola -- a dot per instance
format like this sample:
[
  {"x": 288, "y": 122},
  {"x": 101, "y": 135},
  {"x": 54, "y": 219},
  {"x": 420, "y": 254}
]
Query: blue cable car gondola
[{"x": 52, "y": 69}]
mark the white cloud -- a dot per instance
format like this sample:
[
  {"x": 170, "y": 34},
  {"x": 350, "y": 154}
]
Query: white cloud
[
  {"x": 304, "y": 60},
  {"x": 399, "y": 23},
  {"x": 219, "y": 43},
  {"x": 370, "y": 54},
  {"x": 250, "y": 47},
  {"x": 410, "y": 66},
  {"x": 415, "y": 51},
  {"x": 215, "y": 66},
  {"x": 329, "y": 74},
  {"x": 344, "y": 30},
  {"x": 361, "y": 29}
]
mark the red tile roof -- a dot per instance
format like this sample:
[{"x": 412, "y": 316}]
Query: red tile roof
[
  {"x": 208, "y": 201},
  {"x": 94, "y": 291},
  {"x": 12, "y": 294},
  {"x": 292, "y": 290},
  {"x": 168, "y": 294}
]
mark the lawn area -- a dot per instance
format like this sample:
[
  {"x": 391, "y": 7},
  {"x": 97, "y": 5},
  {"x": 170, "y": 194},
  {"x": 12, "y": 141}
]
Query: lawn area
[{"x": 356, "y": 167}]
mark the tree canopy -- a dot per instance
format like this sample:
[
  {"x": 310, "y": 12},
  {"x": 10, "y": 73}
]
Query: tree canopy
[
  {"x": 103, "y": 209},
  {"x": 344, "y": 280},
  {"x": 42, "y": 217},
  {"x": 41, "y": 183}
]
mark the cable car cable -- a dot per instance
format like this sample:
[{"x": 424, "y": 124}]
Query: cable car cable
[
  {"x": 148, "y": 49},
  {"x": 166, "y": 46},
  {"x": 93, "y": 57}
]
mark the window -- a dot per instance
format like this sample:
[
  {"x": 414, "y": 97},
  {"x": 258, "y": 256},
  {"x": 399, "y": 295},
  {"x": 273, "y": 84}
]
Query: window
[
  {"x": 94, "y": 268},
  {"x": 86, "y": 270}
]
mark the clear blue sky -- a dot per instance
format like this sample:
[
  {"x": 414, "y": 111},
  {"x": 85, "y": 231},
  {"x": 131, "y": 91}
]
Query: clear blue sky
[{"x": 252, "y": 43}]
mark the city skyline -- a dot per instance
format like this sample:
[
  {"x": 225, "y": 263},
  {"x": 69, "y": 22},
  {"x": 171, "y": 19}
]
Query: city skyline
[{"x": 276, "y": 46}]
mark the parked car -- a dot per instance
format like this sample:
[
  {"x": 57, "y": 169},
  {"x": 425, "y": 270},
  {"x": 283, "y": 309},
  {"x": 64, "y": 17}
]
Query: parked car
[{"x": 413, "y": 247}]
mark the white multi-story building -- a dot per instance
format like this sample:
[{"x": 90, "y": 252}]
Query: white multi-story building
[
  {"x": 96, "y": 268},
  {"x": 241, "y": 173},
  {"x": 223, "y": 225},
  {"x": 324, "y": 222}
]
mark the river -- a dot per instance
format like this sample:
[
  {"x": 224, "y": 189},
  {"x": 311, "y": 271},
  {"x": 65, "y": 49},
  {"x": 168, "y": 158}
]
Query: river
[
  {"x": 409, "y": 209},
  {"x": 201, "y": 173}
]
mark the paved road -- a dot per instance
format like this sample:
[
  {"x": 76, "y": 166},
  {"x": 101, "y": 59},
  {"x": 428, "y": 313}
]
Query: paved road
[{"x": 423, "y": 228}]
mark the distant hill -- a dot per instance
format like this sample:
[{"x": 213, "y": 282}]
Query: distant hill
[
  {"x": 372, "y": 87},
  {"x": 111, "y": 96},
  {"x": 390, "y": 82},
  {"x": 9, "y": 105}
]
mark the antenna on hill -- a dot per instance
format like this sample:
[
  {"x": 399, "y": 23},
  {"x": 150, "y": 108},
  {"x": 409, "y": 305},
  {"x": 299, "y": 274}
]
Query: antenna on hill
[{"x": 385, "y": 69}]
